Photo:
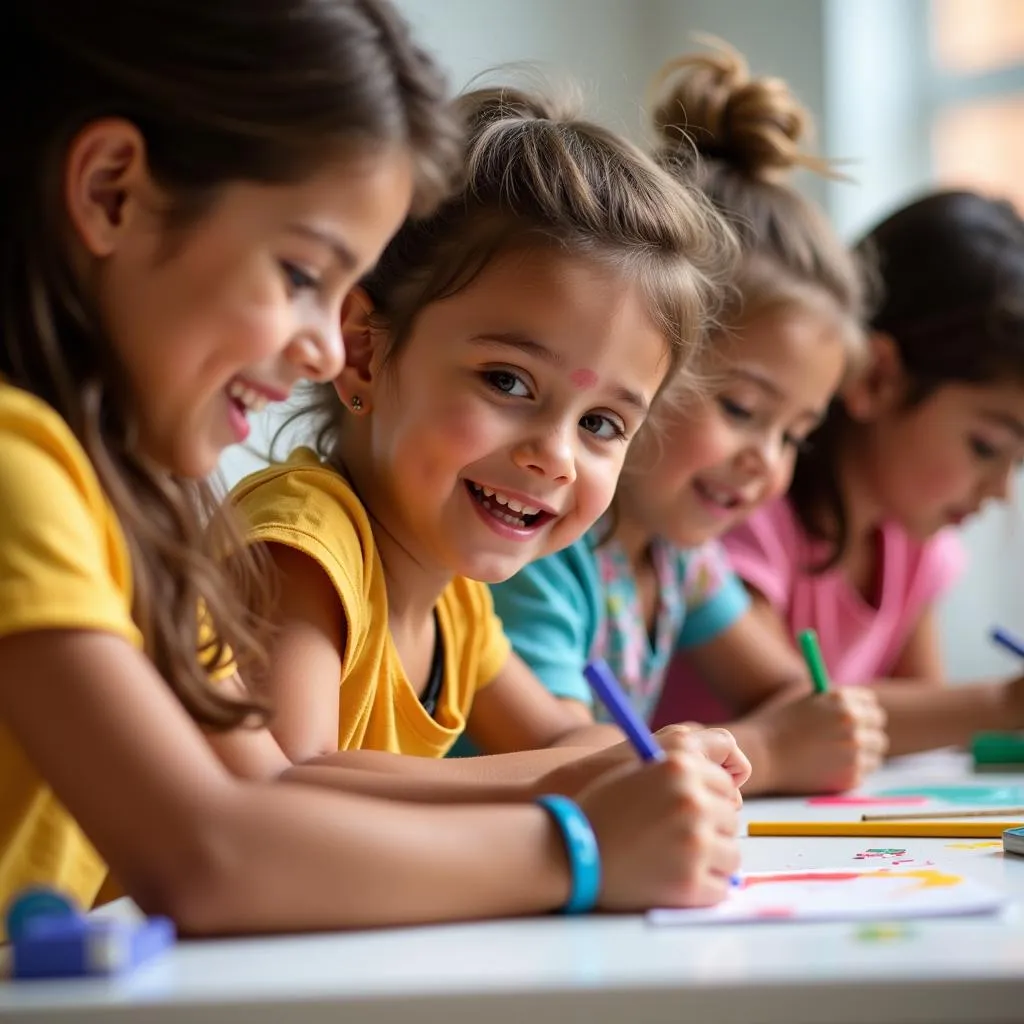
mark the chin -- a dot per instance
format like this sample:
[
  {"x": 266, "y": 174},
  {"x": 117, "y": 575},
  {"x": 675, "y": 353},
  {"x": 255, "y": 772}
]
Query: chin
[
  {"x": 492, "y": 570},
  {"x": 694, "y": 538}
]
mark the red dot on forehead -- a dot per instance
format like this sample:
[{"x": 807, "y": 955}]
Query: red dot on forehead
[{"x": 583, "y": 378}]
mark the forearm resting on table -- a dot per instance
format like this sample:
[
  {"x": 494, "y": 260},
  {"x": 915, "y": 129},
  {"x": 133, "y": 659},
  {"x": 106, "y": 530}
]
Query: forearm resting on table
[
  {"x": 298, "y": 858},
  {"x": 925, "y": 715},
  {"x": 489, "y": 778}
]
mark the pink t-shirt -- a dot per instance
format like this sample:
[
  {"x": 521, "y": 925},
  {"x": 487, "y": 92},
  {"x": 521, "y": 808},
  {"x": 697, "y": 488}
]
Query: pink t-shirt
[{"x": 860, "y": 643}]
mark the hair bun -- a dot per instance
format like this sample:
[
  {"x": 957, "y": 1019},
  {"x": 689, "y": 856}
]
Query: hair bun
[
  {"x": 710, "y": 101},
  {"x": 483, "y": 107}
]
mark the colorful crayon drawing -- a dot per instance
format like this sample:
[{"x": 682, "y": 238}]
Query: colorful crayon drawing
[
  {"x": 843, "y": 894},
  {"x": 980, "y": 844},
  {"x": 877, "y": 852}
]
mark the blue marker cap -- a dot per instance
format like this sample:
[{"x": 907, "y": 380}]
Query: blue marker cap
[{"x": 603, "y": 682}]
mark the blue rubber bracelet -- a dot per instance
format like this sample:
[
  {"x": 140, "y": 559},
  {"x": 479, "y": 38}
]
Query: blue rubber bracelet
[{"x": 581, "y": 848}]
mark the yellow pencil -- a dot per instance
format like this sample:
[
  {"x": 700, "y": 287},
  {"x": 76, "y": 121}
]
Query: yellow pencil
[{"x": 979, "y": 829}]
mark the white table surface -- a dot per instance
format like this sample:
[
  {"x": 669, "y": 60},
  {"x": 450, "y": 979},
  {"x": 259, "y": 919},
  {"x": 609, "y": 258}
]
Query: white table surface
[{"x": 605, "y": 969}]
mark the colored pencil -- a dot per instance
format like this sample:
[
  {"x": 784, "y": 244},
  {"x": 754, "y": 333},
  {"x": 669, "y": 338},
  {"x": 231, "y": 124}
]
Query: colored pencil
[
  {"x": 945, "y": 812},
  {"x": 980, "y": 829}
]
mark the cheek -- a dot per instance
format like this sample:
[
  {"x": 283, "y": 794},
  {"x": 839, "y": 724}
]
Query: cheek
[
  {"x": 440, "y": 439},
  {"x": 599, "y": 482},
  {"x": 691, "y": 446},
  {"x": 939, "y": 478},
  {"x": 780, "y": 478}
]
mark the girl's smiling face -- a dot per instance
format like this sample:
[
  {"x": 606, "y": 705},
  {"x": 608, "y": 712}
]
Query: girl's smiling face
[
  {"x": 496, "y": 432},
  {"x": 212, "y": 319},
  {"x": 706, "y": 461}
]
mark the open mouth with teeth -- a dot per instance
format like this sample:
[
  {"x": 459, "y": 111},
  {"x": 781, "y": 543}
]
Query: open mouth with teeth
[
  {"x": 718, "y": 496},
  {"x": 246, "y": 399},
  {"x": 505, "y": 509}
]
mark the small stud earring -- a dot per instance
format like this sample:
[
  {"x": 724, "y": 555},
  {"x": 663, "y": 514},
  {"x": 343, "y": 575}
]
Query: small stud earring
[{"x": 356, "y": 404}]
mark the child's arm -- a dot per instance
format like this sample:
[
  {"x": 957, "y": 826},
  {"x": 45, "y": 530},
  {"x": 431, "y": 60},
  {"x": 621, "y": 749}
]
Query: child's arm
[
  {"x": 925, "y": 713},
  {"x": 921, "y": 714},
  {"x": 921, "y": 657},
  {"x": 220, "y": 855},
  {"x": 302, "y": 685},
  {"x": 797, "y": 741}
]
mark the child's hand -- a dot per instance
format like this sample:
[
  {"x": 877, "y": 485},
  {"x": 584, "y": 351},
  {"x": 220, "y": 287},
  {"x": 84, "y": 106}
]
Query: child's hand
[
  {"x": 666, "y": 831},
  {"x": 824, "y": 743},
  {"x": 718, "y": 745}
]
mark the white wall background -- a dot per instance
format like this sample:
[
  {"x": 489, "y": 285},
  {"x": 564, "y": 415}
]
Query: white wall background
[{"x": 855, "y": 63}]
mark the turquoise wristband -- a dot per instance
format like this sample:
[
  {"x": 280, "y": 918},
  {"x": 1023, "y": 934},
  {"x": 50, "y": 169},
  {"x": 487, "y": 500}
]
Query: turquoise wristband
[{"x": 581, "y": 848}]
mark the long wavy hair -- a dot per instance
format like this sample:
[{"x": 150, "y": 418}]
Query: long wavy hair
[{"x": 232, "y": 90}]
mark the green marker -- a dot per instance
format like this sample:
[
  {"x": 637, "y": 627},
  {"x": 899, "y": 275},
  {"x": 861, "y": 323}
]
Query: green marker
[{"x": 815, "y": 662}]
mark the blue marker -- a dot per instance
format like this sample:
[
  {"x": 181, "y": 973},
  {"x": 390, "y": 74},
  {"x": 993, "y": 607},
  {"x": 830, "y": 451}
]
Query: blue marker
[
  {"x": 1009, "y": 641},
  {"x": 603, "y": 682}
]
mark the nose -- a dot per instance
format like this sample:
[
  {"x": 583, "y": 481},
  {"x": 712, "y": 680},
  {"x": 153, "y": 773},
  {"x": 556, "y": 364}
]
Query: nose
[
  {"x": 318, "y": 354},
  {"x": 550, "y": 453},
  {"x": 764, "y": 457}
]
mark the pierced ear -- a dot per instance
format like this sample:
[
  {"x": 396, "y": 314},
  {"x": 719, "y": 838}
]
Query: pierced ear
[
  {"x": 363, "y": 348},
  {"x": 880, "y": 386},
  {"x": 106, "y": 178}
]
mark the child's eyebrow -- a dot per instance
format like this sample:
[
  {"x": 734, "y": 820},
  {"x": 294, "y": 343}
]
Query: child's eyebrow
[
  {"x": 763, "y": 382},
  {"x": 1004, "y": 419},
  {"x": 521, "y": 342},
  {"x": 341, "y": 252},
  {"x": 524, "y": 343}
]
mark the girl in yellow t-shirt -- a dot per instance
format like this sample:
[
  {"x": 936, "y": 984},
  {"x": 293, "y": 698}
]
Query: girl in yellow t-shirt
[
  {"x": 188, "y": 192},
  {"x": 500, "y": 358}
]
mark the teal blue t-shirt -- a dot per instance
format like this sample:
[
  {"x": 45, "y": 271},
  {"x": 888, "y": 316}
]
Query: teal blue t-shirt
[{"x": 582, "y": 603}]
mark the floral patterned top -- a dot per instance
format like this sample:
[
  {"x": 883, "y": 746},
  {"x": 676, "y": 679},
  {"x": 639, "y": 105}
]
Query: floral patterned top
[{"x": 582, "y": 603}]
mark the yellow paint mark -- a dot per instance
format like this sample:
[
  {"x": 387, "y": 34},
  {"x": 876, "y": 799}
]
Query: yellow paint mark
[
  {"x": 983, "y": 845},
  {"x": 930, "y": 878}
]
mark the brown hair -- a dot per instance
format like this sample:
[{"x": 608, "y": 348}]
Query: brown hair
[
  {"x": 536, "y": 174},
  {"x": 949, "y": 271},
  {"x": 737, "y": 138},
  {"x": 236, "y": 90}
]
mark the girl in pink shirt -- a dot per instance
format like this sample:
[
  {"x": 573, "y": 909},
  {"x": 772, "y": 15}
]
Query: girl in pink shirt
[{"x": 864, "y": 544}]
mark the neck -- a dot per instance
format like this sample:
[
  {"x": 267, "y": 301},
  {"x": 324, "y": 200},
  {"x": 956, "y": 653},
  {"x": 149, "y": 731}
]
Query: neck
[
  {"x": 635, "y": 542},
  {"x": 413, "y": 585}
]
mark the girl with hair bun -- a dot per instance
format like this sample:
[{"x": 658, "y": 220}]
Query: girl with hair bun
[{"x": 651, "y": 580}]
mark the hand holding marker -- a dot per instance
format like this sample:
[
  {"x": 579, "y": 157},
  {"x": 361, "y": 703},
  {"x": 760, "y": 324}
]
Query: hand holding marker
[{"x": 607, "y": 689}]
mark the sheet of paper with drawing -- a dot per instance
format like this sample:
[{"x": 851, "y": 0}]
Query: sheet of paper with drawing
[{"x": 843, "y": 894}]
